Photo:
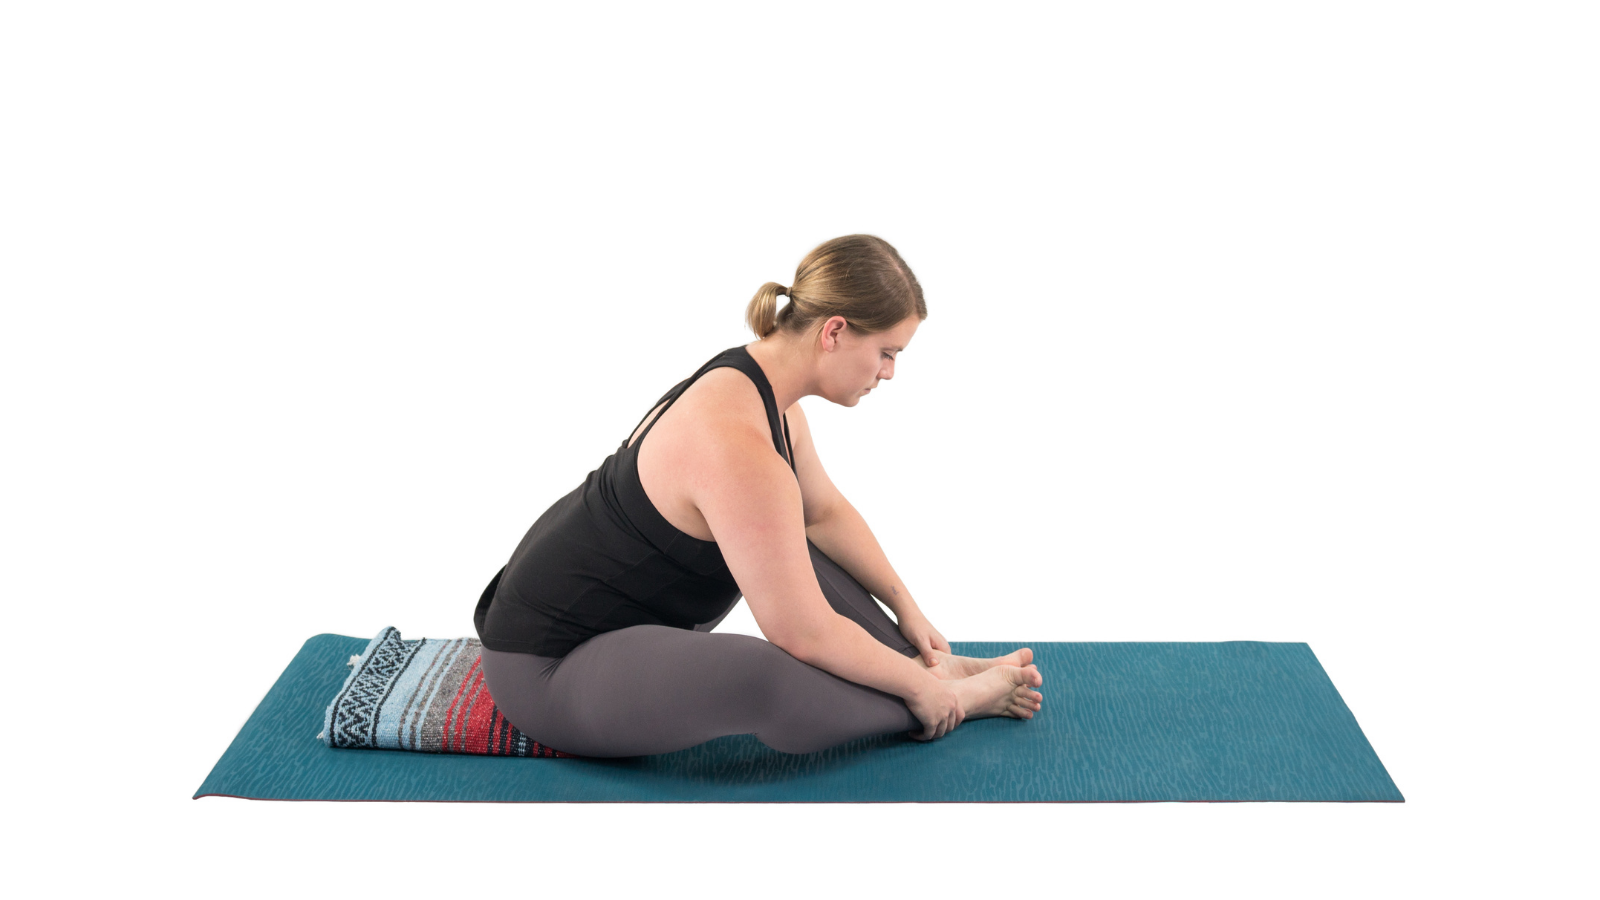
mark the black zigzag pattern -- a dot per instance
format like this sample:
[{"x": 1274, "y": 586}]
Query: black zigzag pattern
[{"x": 356, "y": 714}]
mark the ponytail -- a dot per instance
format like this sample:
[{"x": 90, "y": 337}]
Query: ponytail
[{"x": 762, "y": 313}]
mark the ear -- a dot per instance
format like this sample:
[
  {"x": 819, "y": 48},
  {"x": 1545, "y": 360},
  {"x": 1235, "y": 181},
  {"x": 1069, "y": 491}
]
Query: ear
[{"x": 831, "y": 330}]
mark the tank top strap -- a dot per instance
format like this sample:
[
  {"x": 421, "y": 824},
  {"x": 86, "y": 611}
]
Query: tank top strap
[{"x": 738, "y": 358}]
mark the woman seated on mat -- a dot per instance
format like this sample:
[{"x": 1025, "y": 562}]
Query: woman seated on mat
[{"x": 597, "y": 634}]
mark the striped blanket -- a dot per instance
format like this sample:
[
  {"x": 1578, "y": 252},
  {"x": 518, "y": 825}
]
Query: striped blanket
[{"x": 425, "y": 695}]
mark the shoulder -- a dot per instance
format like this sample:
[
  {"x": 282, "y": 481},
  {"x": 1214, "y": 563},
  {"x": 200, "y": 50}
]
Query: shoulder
[
  {"x": 725, "y": 395},
  {"x": 721, "y": 414}
]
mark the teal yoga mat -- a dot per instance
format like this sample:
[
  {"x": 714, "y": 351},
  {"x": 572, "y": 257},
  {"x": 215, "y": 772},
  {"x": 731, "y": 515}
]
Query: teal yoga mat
[{"x": 1236, "y": 720}]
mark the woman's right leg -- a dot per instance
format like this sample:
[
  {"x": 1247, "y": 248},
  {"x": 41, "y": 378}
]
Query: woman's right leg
[{"x": 654, "y": 689}]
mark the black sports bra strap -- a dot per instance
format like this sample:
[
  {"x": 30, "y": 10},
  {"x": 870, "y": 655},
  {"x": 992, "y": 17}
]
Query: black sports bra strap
[
  {"x": 747, "y": 364},
  {"x": 738, "y": 358},
  {"x": 676, "y": 391}
]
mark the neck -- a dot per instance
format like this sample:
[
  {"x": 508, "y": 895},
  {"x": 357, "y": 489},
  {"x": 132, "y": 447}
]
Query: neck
[{"x": 788, "y": 363}]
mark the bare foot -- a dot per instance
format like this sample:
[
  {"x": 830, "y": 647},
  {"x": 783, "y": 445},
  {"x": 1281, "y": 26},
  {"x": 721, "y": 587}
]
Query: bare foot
[
  {"x": 1000, "y": 691},
  {"x": 951, "y": 667}
]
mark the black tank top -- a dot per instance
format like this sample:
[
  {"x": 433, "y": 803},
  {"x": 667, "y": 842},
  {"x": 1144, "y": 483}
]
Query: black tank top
[{"x": 603, "y": 557}]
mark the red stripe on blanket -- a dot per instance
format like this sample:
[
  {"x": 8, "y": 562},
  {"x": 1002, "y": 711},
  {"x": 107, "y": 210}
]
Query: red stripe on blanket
[
  {"x": 453, "y": 715},
  {"x": 479, "y": 720}
]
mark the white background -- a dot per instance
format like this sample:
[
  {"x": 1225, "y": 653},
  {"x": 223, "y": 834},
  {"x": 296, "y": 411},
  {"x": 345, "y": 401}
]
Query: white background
[{"x": 1247, "y": 321}]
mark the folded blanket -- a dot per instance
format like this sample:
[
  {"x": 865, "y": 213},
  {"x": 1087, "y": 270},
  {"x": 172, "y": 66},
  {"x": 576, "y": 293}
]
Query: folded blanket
[{"x": 425, "y": 695}]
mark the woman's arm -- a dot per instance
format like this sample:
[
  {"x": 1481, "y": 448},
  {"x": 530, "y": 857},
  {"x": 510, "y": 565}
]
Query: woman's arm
[
  {"x": 838, "y": 530},
  {"x": 753, "y": 507},
  {"x": 844, "y": 536}
]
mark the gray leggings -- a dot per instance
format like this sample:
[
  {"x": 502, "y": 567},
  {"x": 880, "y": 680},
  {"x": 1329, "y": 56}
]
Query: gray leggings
[{"x": 655, "y": 689}]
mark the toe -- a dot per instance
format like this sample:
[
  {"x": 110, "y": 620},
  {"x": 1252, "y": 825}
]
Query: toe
[{"x": 1023, "y": 676}]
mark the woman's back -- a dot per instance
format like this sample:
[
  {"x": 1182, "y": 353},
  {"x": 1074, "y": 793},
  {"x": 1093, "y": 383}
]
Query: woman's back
[{"x": 608, "y": 555}]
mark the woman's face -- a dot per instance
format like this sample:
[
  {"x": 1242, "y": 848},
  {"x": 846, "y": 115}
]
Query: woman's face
[{"x": 855, "y": 362}]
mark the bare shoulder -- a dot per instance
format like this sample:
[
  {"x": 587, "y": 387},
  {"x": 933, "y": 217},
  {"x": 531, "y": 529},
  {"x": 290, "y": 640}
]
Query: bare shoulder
[
  {"x": 729, "y": 472},
  {"x": 717, "y": 419},
  {"x": 725, "y": 398},
  {"x": 710, "y": 454}
]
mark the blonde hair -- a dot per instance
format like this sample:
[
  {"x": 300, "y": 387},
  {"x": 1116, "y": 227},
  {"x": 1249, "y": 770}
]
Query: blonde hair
[{"x": 858, "y": 276}]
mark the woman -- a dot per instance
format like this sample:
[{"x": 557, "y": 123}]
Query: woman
[{"x": 597, "y": 634}]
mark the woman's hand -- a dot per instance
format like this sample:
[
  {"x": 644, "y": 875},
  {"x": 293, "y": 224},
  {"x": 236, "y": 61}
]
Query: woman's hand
[
  {"x": 919, "y": 631},
  {"x": 939, "y": 709}
]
